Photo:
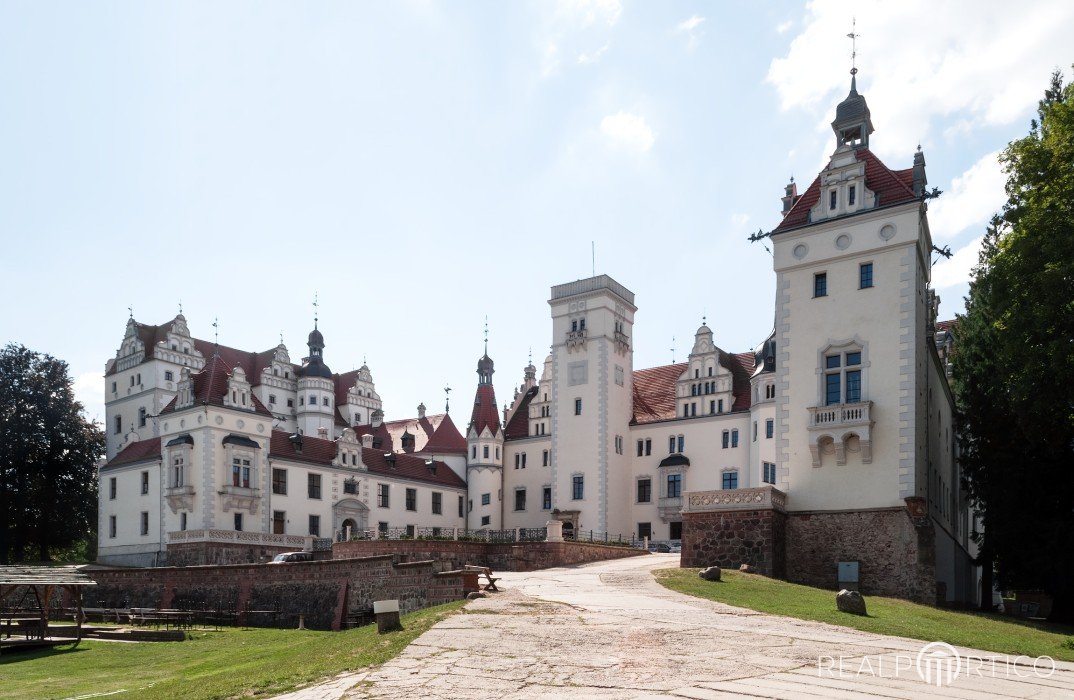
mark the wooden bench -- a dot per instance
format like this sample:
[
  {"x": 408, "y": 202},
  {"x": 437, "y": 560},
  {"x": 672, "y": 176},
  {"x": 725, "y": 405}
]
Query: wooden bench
[{"x": 485, "y": 571}]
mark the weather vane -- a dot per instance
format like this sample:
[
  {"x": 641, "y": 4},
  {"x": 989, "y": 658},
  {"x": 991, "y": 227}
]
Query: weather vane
[
  {"x": 315, "y": 311},
  {"x": 447, "y": 399},
  {"x": 180, "y": 306},
  {"x": 130, "y": 310},
  {"x": 486, "y": 334},
  {"x": 216, "y": 331},
  {"x": 853, "y": 36},
  {"x": 672, "y": 349}
]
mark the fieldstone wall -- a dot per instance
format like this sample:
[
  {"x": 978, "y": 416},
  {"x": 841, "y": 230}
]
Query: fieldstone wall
[
  {"x": 731, "y": 538},
  {"x": 896, "y": 556},
  {"x": 324, "y": 591},
  {"x": 220, "y": 553},
  {"x": 525, "y": 556}
]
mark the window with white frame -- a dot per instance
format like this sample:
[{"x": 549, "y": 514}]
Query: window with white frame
[
  {"x": 768, "y": 472},
  {"x": 842, "y": 377}
]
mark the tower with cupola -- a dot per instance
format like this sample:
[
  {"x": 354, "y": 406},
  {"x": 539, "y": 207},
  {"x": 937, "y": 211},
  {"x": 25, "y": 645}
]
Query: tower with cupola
[
  {"x": 484, "y": 442},
  {"x": 316, "y": 389}
]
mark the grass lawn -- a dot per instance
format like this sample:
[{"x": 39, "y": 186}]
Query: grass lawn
[
  {"x": 211, "y": 664},
  {"x": 898, "y": 618}
]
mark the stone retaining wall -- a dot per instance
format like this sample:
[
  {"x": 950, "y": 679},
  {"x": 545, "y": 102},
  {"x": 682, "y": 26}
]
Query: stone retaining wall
[
  {"x": 525, "y": 556},
  {"x": 324, "y": 591},
  {"x": 729, "y": 539},
  {"x": 221, "y": 553}
]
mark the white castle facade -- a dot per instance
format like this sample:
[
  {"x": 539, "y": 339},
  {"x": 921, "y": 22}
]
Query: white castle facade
[{"x": 842, "y": 418}]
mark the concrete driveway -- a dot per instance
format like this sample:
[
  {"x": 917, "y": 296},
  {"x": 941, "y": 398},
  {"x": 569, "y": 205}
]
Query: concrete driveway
[{"x": 608, "y": 630}]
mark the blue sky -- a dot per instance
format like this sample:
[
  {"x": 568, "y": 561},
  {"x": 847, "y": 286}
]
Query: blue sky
[{"x": 423, "y": 165}]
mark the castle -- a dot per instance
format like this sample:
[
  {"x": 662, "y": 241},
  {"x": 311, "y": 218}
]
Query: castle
[{"x": 826, "y": 454}]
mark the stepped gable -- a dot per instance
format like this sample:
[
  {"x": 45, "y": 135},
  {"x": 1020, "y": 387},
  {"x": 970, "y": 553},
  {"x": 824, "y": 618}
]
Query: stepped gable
[
  {"x": 654, "y": 392},
  {"x": 519, "y": 425},
  {"x": 447, "y": 439},
  {"x": 892, "y": 187},
  {"x": 405, "y": 466},
  {"x": 139, "y": 451}
]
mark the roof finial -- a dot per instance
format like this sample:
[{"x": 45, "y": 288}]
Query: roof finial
[
  {"x": 704, "y": 319},
  {"x": 486, "y": 335},
  {"x": 130, "y": 311},
  {"x": 853, "y": 36},
  {"x": 281, "y": 337},
  {"x": 180, "y": 307},
  {"x": 672, "y": 349},
  {"x": 216, "y": 334},
  {"x": 447, "y": 399},
  {"x": 531, "y": 354},
  {"x": 315, "y": 311}
]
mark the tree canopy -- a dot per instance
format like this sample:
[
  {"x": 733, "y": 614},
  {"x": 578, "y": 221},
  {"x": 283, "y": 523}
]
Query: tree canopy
[
  {"x": 1014, "y": 365},
  {"x": 48, "y": 456}
]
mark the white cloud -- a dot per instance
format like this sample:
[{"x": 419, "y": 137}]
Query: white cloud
[
  {"x": 956, "y": 269},
  {"x": 593, "y": 57},
  {"x": 783, "y": 27},
  {"x": 738, "y": 221},
  {"x": 628, "y": 131},
  {"x": 586, "y": 12},
  {"x": 89, "y": 390},
  {"x": 690, "y": 27},
  {"x": 913, "y": 71},
  {"x": 971, "y": 200},
  {"x": 550, "y": 59}
]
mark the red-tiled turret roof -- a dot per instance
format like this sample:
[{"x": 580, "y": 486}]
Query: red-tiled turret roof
[
  {"x": 447, "y": 439},
  {"x": 485, "y": 414}
]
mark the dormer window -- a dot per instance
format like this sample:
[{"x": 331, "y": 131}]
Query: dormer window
[
  {"x": 833, "y": 199},
  {"x": 852, "y": 192}
]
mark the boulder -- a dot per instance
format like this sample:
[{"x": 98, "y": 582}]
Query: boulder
[
  {"x": 710, "y": 574},
  {"x": 850, "y": 602},
  {"x": 474, "y": 595},
  {"x": 748, "y": 569}
]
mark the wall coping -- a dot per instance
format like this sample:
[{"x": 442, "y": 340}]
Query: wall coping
[{"x": 759, "y": 498}]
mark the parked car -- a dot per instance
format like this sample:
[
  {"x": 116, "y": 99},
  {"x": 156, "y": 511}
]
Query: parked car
[
  {"x": 661, "y": 548},
  {"x": 292, "y": 556},
  {"x": 675, "y": 547}
]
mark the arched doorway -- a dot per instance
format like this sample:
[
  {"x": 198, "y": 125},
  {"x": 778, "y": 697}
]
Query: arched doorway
[
  {"x": 349, "y": 528},
  {"x": 568, "y": 530},
  {"x": 350, "y": 519}
]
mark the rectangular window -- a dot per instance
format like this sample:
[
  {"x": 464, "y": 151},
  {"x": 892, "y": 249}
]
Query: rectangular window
[
  {"x": 755, "y": 431},
  {"x": 438, "y": 503},
  {"x": 485, "y": 451},
  {"x": 852, "y": 193},
  {"x": 674, "y": 485},
  {"x": 645, "y": 490},
  {"x": 712, "y": 407},
  {"x": 112, "y": 526},
  {"x": 577, "y": 487},
  {"x": 315, "y": 525},
  {"x": 675, "y": 530},
  {"x": 641, "y": 447},
  {"x": 648, "y": 446},
  {"x": 769, "y": 472},
  {"x": 682, "y": 443},
  {"x": 382, "y": 527},
  {"x": 820, "y": 284},
  {"x": 726, "y": 439},
  {"x": 411, "y": 499},
  {"x": 645, "y": 530},
  {"x": 769, "y": 428},
  {"x": 112, "y": 489},
  {"x": 865, "y": 275},
  {"x": 853, "y": 385},
  {"x": 145, "y": 483},
  {"x": 546, "y": 498},
  {"x": 486, "y": 499},
  {"x": 145, "y": 522},
  {"x": 313, "y": 485},
  {"x": 238, "y": 522},
  {"x": 168, "y": 376},
  {"x": 118, "y": 423},
  {"x": 113, "y": 387},
  {"x": 671, "y": 444},
  {"x": 719, "y": 406},
  {"x": 182, "y": 521},
  {"x": 461, "y": 513},
  {"x": 544, "y": 458},
  {"x": 383, "y": 496},
  {"x": 410, "y": 531},
  {"x": 734, "y": 438},
  {"x": 833, "y": 199},
  {"x": 520, "y": 499},
  {"x": 279, "y": 522},
  {"x": 518, "y": 460},
  {"x": 730, "y": 480},
  {"x": 577, "y": 407},
  {"x": 279, "y": 481},
  {"x": 523, "y": 460},
  {"x": 832, "y": 389},
  {"x": 486, "y": 520},
  {"x": 141, "y": 417}
]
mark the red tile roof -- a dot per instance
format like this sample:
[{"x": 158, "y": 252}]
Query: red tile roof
[
  {"x": 947, "y": 325},
  {"x": 380, "y": 433},
  {"x": 654, "y": 388},
  {"x": 447, "y": 439},
  {"x": 210, "y": 387},
  {"x": 320, "y": 451},
  {"x": 137, "y": 452},
  {"x": 485, "y": 414},
  {"x": 891, "y": 187},
  {"x": 519, "y": 425}
]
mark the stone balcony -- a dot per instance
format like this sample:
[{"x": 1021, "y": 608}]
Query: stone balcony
[
  {"x": 760, "y": 498},
  {"x": 669, "y": 508},
  {"x": 179, "y": 498},
  {"x": 839, "y": 427},
  {"x": 576, "y": 338}
]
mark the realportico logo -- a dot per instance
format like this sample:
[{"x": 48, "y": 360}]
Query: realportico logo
[{"x": 937, "y": 664}]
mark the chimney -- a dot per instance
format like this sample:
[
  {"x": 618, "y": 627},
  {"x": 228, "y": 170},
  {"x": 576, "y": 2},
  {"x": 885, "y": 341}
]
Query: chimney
[
  {"x": 790, "y": 196},
  {"x": 367, "y": 441},
  {"x": 322, "y": 432}
]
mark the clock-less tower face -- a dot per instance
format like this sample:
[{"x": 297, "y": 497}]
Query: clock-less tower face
[{"x": 592, "y": 362}]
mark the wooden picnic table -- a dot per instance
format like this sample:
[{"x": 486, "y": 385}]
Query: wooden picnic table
[{"x": 28, "y": 625}]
